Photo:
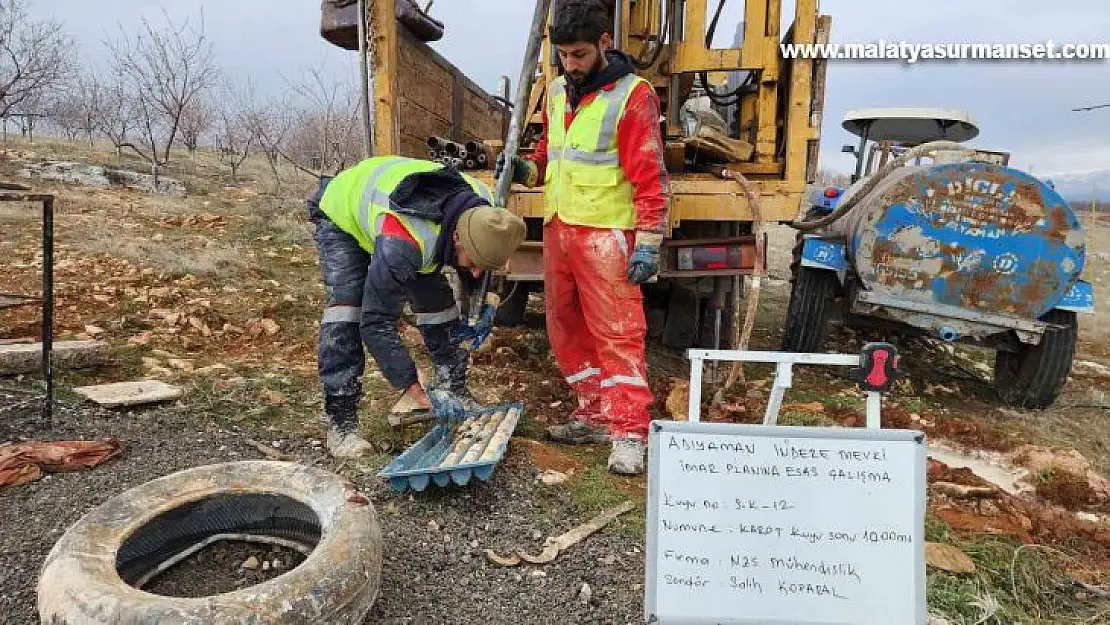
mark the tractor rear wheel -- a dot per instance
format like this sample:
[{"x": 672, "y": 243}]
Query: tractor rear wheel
[
  {"x": 1034, "y": 376},
  {"x": 810, "y": 305}
]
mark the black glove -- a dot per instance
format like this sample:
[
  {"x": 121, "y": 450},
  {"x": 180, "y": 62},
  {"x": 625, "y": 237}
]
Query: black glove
[{"x": 524, "y": 171}]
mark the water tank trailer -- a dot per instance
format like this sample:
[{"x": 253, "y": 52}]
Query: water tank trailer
[{"x": 963, "y": 248}]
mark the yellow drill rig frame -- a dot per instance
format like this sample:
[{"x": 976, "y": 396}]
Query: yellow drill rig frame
[{"x": 417, "y": 94}]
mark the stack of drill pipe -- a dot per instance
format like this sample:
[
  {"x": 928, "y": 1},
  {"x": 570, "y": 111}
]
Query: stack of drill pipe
[
  {"x": 479, "y": 152},
  {"x": 471, "y": 155}
]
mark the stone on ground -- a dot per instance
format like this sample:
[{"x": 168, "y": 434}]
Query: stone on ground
[{"x": 129, "y": 393}]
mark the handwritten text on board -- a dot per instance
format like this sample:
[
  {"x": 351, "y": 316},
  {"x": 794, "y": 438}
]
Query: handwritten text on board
[{"x": 804, "y": 529}]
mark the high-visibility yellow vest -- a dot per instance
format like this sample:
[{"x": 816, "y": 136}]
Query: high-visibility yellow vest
[
  {"x": 357, "y": 201},
  {"x": 584, "y": 183}
]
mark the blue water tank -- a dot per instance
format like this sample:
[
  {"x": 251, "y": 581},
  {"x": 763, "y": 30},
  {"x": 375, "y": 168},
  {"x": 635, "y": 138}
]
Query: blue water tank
[{"x": 981, "y": 237}]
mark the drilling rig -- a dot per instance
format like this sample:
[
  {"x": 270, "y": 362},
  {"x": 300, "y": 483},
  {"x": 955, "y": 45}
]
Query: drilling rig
[{"x": 741, "y": 125}]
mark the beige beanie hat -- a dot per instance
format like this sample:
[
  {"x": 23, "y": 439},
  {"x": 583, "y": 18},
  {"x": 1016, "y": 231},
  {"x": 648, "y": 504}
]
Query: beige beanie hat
[{"x": 490, "y": 235}]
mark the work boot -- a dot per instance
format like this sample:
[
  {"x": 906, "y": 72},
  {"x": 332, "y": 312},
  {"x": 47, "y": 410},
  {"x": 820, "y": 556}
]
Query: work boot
[
  {"x": 588, "y": 410},
  {"x": 627, "y": 457},
  {"x": 407, "y": 412},
  {"x": 344, "y": 444},
  {"x": 577, "y": 432}
]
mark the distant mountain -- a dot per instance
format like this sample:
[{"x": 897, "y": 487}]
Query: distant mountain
[{"x": 1078, "y": 187}]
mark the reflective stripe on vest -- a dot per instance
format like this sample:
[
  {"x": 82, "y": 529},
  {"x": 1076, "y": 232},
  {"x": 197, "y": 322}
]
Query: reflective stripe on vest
[
  {"x": 585, "y": 184},
  {"x": 382, "y": 176}
]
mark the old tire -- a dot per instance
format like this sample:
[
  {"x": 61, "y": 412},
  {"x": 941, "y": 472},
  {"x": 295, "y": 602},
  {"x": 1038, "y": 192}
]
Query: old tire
[
  {"x": 83, "y": 578},
  {"x": 807, "y": 316},
  {"x": 1034, "y": 377}
]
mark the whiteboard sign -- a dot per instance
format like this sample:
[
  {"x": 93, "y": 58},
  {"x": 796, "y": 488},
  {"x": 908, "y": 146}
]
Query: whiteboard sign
[{"x": 765, "y": 524}]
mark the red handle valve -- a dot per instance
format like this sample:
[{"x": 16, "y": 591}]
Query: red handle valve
[{"x": 879, "y": 368}]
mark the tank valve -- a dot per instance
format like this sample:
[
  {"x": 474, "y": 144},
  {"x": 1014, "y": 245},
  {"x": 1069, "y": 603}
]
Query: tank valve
[{"x": 948, "y": 334}]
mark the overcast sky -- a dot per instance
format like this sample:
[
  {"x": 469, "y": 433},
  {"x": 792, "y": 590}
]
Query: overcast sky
[{"x": 1023, "y": 107}]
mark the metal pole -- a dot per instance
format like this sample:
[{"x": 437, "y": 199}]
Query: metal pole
[
  {"x": 874, "y": 410},
  {"x": 364, "y": 65},
  {"x": 675, "y": 7},
  {"x": 784, "y": 379},
  {"x": 516, "y": 124},
  {"x": 523, "y": 91},
  {"x": 859, "y": 153},
  {"x": 694, "y": 407},
  {"x": 48, "y": 308},
  {"x": 618, "y": 26}
]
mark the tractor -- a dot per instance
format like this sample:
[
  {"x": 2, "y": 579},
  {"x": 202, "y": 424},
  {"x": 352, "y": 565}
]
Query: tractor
[{"x": 939, "y": 240}]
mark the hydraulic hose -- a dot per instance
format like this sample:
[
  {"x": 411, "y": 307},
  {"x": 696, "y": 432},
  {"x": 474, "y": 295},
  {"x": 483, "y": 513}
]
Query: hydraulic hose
[
  {"x": 728, "y": 98},
  {"x": 741, "y": 336},
  {"x": 864, "y": 186},
  {"x": 656, "y": 42}
]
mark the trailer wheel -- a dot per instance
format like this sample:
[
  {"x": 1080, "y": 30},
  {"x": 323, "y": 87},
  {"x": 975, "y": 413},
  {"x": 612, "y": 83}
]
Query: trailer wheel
[
  {"x": 93, "y": 573},
  {"x": 810, "y": 304},
  {"x": 1034, "y": 377}
]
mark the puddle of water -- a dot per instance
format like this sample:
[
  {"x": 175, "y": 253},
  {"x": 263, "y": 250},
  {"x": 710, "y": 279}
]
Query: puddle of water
[{"x": 1008, "y": 479}]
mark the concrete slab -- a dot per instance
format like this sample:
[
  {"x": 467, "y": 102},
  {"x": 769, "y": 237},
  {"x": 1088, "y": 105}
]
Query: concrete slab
[
  {"x": 27, "y": 357},
  {"x": 129, "y": 393}
]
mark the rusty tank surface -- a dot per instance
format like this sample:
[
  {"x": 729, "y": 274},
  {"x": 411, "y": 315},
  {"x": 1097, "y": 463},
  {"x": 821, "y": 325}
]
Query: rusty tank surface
[
  {"x": 964, "y": 248},
  {"x": 975, "y": 237}
]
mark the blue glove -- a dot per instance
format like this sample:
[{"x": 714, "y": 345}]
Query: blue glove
[
  {"x": 480, "y": 331},
  {"x": 524, "y": 171},
  {"x": 447, "y": 407},
  {"x": 644, "y": 264}
]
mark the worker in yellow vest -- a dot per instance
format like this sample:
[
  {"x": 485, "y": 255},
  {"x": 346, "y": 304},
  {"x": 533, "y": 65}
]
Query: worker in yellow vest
[
  {"x": 607, "y": 197},
  {"x": 385, "y": 230}
]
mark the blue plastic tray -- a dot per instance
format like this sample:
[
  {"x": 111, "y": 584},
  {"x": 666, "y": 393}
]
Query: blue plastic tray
[{"x": 419, "y": 466}]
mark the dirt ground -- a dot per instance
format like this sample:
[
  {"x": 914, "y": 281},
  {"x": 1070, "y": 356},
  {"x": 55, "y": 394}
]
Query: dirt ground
[
  {"x": 435, "y": 570},
  {"x": 218, "y": 293}
]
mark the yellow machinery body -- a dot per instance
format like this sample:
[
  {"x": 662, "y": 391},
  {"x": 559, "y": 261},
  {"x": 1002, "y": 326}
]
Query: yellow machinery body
[{"x": 778, "y": 114}]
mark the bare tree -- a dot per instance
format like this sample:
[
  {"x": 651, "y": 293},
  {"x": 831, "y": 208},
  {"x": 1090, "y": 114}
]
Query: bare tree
[
  {"x": 196, "y": 119},
  {"x": 150, "y": 126},
  {"x": 166, "y": 69},
  {"x": 234, "y": 131},
  {"x": 34, "y": 57},
  {"x": 271, "y": 124},
  {"x": 35, "y": 108},
  {"x": 77, "y": 107},
  {"x": 116, "y": 117},
  {"x": 64, "y": 113},
  {"x": 327, "y": 125}
]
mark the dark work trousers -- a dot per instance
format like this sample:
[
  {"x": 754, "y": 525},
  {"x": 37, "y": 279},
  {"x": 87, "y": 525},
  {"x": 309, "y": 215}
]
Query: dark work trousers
[{"x": 341, "y": 360}]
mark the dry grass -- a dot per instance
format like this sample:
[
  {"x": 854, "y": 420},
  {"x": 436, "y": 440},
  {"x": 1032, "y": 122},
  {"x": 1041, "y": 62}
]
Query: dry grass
[
  {"x": 279, "y": 228},
  {"x": 1094, "y": 331},
  {"x": 20, "y": 212},
  {"x": 202, "y": 173},
  {"x": 177, "y": 258},
  {"x": 1012, "y": 583}
]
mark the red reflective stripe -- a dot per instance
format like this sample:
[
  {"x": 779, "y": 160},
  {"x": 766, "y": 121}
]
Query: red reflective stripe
[{"x": 391, "y": 227}]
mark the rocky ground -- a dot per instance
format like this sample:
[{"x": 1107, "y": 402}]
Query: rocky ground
[
  {"x": 435, "y": 569},
  {"x": 217, "y": 293}
]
